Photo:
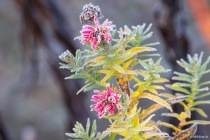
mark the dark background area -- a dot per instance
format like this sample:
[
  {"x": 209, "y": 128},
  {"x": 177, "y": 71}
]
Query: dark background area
[{"x": 34, "y": 104}]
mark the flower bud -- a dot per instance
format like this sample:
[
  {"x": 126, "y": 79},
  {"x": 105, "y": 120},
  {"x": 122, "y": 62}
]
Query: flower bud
[{"x": 89, "y": 12}]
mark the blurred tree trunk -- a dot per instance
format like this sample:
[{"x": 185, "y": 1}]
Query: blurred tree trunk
[
  {"x": 3, "y": 131},
  {"x": 171, "y": 24},
  {"x": 44, "y": 24}
]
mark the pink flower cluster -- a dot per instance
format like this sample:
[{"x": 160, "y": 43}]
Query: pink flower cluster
[
  {"x": 106, "y": 102},
  {"x": 97, "y": 34}
]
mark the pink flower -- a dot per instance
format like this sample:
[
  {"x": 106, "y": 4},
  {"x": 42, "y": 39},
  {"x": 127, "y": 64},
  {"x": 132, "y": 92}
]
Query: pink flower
[
  {"x": 106, "y": 102},
  {"x": 97, "y": 34}
]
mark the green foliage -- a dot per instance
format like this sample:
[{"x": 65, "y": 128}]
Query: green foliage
[
  {"x": 150, "y": 86},
  {"x": 127, "y": 60},
  {"x": 189, "y": 83},
  {"x": 88, "y": 133},
  {"x": 130, "y": 126},
  {"x": 98, "y": 67}
]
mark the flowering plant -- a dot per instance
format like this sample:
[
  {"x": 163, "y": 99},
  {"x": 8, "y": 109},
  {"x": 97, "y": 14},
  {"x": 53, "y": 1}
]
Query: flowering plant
[{"x": 128, "y": 62}]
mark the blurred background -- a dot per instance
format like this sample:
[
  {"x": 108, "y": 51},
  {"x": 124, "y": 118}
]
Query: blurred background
[{"x": 35, "y": 102}]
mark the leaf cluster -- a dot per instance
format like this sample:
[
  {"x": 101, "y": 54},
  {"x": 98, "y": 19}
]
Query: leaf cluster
[
  {"x": 126, "y": 60},
  {"x": 87, "y": 133},
  {"x": 189, "y": 83}
]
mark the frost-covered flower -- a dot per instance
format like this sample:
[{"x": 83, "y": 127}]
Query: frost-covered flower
[
  {"x": 106, "y": 102},
  {"x": 97, "y": 34},
  {"x": 89, "y": 12}
]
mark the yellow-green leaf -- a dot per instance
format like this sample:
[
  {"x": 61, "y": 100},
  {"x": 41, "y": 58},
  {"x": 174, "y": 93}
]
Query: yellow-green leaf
[
  {"x": 127, "y": 64},
  {"x": 203, "y": 95},
  {"x": 200, "y": 111},
  {"x": 178, "y": 88},
  {"x": 169, "y": 126},
  {"x": 149, "y": 135},
  {"x": 146, "y": 121},
  {"x": 103, "y": 71},
  {"x": 197, "y": 121},
  {"x": 136, "y": 94},
  {"x": 158, "y": 87},
  {"x": 140, "y": 49},
  {"x": 152, "y": 90},
  {"x": 117, "y": 130},
  {"x": 201, "y": 102},
  {"x": 98, "y": 61},
  {"x": 135, "y": 121},
  {"x": 175, "y": 115},
  {"x": 112, "y": 136},
  {"x": 160, "y": 80},
  {"x": 133, "y": 110},
  {"x": 156, "y": 107},
  {"x": 108, "y": 75},
  {"x": 118, "y": 68},
  {"x": 156, "y": 99},
  {"x": 131, "y": 72}
]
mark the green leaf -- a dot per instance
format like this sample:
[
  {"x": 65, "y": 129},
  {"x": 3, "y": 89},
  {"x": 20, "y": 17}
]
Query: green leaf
[
  {"x": 147, "y": 29},
  {"x": 175, "y": 115},
  {"x": 116, "y": 130},
  {"x": 197, "y": 121},
  {"x": 203, "y": 67},
  {"x": 90, "y": 70},
  {"x": 98, "y": 77},
  {"x": 201, "y": 102},
  {"x": 186, "y": 66},
  {"x": 152, "y": 90},
  {"x": 149, "y": 135},
  {"x": 93, "y": 130},
  {"x": 76, "y": 76},
  {"x": 147, "y": 36},
  {"x": 112, "y": 137},
  {"x": 156, "y": 107},
  {"x": 185, "y": 79},
  {"x": 177, "y": 88},
  {"x": 203, "y": 95},
  {"x": 160, "y": 80},
  {"x": 168, "y": 125},
  {"x": 88, "y": 126},
  {"x": 83, "y": 88},
  {"x": 158, "y": 87},
  {"x": 145, "y": 122},
  {"x": 144, "y": 65},
  {"x": 93, "y": 86},
  {"x": 200, "y": 111},
  {"x": 103, "y": 135},
  {"x": 205, "y": 83},
  {"x": 152, "y": 44},
  {"x": 180, "y": 84},
  {"x": 206, "y": 72}
]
